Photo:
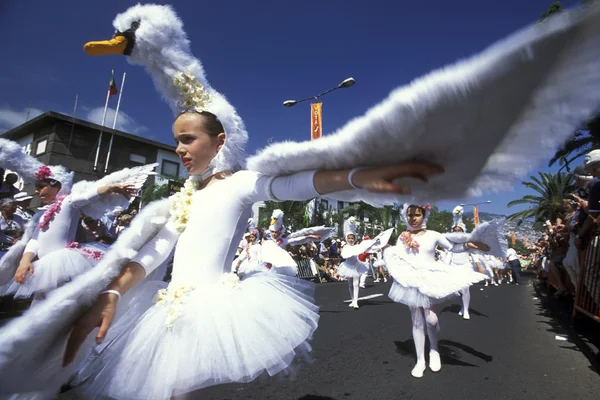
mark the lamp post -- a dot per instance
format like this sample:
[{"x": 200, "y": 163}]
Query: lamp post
[
  {"x": 316, "y": 120},
  {"x": 476, "y": 210},
  {"x": 315, "y": 112}
]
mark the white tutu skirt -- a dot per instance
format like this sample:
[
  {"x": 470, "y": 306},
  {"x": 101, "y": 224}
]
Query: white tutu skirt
[
  {"x": 348, "y": 270},
  {"x": 379, "y": 263},
  {"x": 427, "y": 283},
  {"x": 273, "y": 259},
  {"x": 55, "y": 269},
  {"x": 187, "y": 339}
]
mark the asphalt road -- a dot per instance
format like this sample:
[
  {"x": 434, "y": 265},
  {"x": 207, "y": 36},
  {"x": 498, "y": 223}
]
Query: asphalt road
[{"x": 507, "y": 350}]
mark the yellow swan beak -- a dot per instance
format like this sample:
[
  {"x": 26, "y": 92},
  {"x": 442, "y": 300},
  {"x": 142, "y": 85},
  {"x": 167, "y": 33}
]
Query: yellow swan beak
[{"x": 115, "y": 45}]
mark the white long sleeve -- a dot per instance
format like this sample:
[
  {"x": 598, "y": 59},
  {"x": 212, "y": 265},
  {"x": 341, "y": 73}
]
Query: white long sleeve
[
  {"x": 83, "y": 199},
  {"x": 32, "y": 245},
  {"x": 260, "y": 187},
  {"x": 450, "y": 246},
  {"x": 156, "y": 251}
]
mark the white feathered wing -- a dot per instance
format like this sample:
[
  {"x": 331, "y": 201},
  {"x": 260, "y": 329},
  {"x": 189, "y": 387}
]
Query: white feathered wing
[
  {"x": 36, "y": 341},
  {"x": 113, "y": 202},
  {"x": 513, "y": 103}
]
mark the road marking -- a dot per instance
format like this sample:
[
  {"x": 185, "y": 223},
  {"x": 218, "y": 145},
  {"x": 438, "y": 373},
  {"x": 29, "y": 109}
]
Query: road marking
[{"x": 371, "y": 296}]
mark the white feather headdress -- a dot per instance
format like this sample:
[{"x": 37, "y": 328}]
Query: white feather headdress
[
  {"x": 277, "y": 222},
  {"x": 457, "y": 218},
  {"x": 153, "y": 36},
  {"x": 404, "y": 216},
  {"x": 31, "y": 169},
  {"x": 350, "y": 227}
]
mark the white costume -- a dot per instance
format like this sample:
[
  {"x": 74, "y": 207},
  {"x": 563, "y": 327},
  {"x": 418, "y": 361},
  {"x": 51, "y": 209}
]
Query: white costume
[
  {"x": 50, "y": 234},
  {"x": 206, "y": 334},
  {"x": 351, "y": 268},
  {"x": 420, "y": 282},
  {"x": 200, "y": 325}
]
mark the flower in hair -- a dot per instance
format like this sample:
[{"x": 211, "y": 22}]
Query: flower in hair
[
  {"x": 43, "y": 173},
  {"x": 193, "y": 93}
]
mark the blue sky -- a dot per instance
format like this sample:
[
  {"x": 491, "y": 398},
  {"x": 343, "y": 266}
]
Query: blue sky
[{"x": 257, "y": 53}]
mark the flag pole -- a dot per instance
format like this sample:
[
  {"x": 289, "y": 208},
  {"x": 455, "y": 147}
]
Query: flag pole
[
  {"x": 101, "y": 130},
  {"x": 112, "y": 135},
  {"x": 73, "y": 122}
]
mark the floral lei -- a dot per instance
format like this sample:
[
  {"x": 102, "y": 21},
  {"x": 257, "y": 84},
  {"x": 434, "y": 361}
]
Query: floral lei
[
  {"x": 409, "y": 241},
  {"x": 180, "y": 204},
  {"x": 50, "y": 212},
  {"x": 87, "y": 253}
]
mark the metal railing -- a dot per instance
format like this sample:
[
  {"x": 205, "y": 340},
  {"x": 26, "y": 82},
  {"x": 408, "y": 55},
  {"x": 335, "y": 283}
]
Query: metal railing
[{"x": 587, "y": 294}]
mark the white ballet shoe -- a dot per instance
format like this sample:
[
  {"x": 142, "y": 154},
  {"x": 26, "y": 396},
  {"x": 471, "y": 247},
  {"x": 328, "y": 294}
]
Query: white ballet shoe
[
  {"x": 418, "y": 369},
  {"x": 460, "y": 312},
  {"x": 362, "y": 286},
  {"x": 435, "y": 364},
  {"x": 466, "y": 316},
  {"x": 351, "y": 304},
  {"x": 355, "y": 306},
  {"x": 385, "y": 279}
]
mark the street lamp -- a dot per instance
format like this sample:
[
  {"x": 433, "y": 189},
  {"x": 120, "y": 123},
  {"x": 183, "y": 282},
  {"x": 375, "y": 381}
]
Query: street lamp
[
  {"x": 476, "y": 210},
  {"x": 476, "y": 204},
  {"x": 346, "y": 83},
  {"x": 315, "y": 113}
]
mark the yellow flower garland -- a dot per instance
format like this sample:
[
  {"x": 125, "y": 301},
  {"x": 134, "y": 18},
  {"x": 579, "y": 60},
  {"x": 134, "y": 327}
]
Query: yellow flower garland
[{"x": 180, "y": 204}]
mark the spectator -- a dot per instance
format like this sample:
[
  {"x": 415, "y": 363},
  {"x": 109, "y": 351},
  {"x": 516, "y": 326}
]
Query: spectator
[
  {"x": 8, "y": 189},
  {"x": 23, "y": 201},
  {"x": 513, "y": 261},
  {"x": 11, "y": 225}
]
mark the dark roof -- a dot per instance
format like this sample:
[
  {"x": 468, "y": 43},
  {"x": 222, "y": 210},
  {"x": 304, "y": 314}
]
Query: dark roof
[{"x": 18, "y": 131}]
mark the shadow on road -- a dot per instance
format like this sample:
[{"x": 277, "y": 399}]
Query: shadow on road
[
  {"x": 451, "y": 352},
  {"x": 455, "y": 308}
]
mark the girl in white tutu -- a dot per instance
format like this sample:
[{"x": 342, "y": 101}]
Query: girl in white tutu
[
  {"x": 265, "y": 257},
  {"x": 420, "y": 282},
  {"x": 464, "y": 261},
  {"x": 47, "y": 256},
  {"x": 379, "y": 265},
  {"x": 351, "y": 268}
]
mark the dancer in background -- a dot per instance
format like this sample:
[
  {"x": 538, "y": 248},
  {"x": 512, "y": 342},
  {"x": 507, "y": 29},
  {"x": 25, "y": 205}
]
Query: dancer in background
[{"x": 421, "y": 282}]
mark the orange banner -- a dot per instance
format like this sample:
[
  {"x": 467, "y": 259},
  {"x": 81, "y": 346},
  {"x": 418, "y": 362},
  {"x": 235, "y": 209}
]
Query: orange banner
[
  {"x": 316, "y": 121},
  {"x": 512, "y": 237},
  {"x": 476, "y": 215}
]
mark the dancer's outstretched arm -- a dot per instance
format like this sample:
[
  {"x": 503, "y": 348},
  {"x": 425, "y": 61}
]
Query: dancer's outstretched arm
[{"x": 371, "y": 179}]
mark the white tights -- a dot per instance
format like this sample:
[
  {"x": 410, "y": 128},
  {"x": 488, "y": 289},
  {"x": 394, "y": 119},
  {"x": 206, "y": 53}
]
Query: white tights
[
  {"x": 422, "y": 317},
  {"x": 466, "y": 300},
  {"x": 353, "y": 288}
]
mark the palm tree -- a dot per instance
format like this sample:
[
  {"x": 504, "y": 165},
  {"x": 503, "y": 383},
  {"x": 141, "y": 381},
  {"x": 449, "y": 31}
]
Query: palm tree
[
  {"x": 551, "y": 190},
  {"x": 584, "y": 139}
]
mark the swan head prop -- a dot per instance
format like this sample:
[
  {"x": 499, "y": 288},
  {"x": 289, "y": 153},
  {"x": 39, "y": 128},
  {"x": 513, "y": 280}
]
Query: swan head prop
[
  {"x": 350, "y": 227},
  {"x": 277, "y": 221},
  {"x": 457, "y": 217},
  {"x": 152, "y": 36}
]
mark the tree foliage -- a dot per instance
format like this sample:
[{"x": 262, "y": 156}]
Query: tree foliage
[{"x": 551, "y": 192}]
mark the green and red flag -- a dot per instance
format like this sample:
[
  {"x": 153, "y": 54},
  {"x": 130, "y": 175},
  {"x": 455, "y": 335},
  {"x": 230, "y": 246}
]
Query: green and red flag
[{"x": 112, "y": 86}]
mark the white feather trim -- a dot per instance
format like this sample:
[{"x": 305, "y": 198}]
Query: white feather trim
[
  {"x": 492, "y": 234},
  {"x": 36, "y": 340},
  {"x": 10, "y": 261},
  {"x": 299, "y": 237},
  {"x": 113, "y": 203},
  {"x": 163, "y": 49},
  {"x": 26, "y": 166},
  {"x": 514, "y": 104}
]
